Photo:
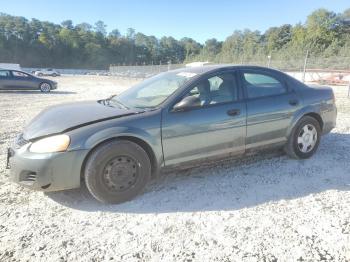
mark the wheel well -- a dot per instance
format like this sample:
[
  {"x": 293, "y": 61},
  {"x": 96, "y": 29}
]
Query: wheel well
[
  {"x": 140, "y": 142},
  {"x": 43, "y": 83},
  {"x": 317, "y": 117}
]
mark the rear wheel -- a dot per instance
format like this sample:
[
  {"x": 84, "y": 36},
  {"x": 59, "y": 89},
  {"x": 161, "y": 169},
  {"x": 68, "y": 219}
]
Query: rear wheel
[
  {"x": 304, "y": 139},
  {"x": 117, "y": 171},
  {"x": 45, "y": 87}
]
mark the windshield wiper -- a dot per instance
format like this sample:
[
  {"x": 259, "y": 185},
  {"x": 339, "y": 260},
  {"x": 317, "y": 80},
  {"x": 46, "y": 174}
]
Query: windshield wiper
[
  {"x": 109, "y": 101},
  {"x": 109, "y": 98}
]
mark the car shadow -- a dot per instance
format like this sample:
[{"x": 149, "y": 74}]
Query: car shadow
[
  {"x": 29, "y": 92},
  {"x": 233, "y": 184}
]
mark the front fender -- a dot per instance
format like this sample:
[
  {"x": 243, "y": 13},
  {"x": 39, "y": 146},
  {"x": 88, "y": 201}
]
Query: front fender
[
  {"x": 153, "y": 142},
  {"x": 144, "y": 127},
  {"x": 120, "y": 131}
]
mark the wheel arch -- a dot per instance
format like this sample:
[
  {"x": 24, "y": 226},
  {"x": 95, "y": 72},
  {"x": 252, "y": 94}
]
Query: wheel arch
[
  {"x": 306, "y": 112},
  {"x": 317, "y": 117},
  {"x": 43, "y": 81},
  {"x": 142, "y": 143}
]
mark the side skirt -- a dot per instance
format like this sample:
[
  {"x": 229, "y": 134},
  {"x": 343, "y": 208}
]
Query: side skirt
[{"x": 263, "y": 151}]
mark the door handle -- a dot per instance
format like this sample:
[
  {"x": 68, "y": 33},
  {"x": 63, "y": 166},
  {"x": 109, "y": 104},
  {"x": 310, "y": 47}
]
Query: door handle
[
  {"x": 233, "y": 112},
  {"x": 293, "y": 102}
]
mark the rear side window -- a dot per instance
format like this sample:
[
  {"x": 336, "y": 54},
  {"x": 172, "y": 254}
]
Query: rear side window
[{"x": 260, "y": 85}]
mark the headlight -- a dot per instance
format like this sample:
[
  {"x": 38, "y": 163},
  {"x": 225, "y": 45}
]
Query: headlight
[{"x": 50, "y": 144}]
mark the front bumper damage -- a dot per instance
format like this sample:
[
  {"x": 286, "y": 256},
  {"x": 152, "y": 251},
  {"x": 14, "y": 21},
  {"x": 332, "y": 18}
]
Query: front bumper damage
[{"x": 45, "y": 171}]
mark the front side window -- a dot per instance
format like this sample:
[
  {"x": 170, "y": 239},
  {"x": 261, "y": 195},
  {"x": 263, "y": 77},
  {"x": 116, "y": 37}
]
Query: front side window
[
  {"x": 19, "y": 74},
  {"x": 260, "y": 85},
  {"x": 216, "y": 90}
]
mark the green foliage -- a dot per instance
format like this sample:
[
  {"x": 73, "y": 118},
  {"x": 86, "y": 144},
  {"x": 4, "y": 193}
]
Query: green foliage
[
  {"x": 325, "y": 34},
  {"x": 34, "y": 43},
  {"x": 100, "y": 28}
]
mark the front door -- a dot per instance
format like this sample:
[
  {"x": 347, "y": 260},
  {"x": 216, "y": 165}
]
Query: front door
[
  {"x": 217, "y": 127},
  {"x": 22, "y": 81}
]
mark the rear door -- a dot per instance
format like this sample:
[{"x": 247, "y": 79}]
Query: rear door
[
  {"x": 270, "y": 107},
  {"x": 215, "y": 128},
  {"x": 5, "y": 79}
]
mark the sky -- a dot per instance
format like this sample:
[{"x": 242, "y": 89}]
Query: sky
[{"x": 198, "y": 19}]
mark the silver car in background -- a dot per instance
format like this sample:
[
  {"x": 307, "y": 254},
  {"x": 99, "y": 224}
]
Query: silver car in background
[{"x": 46, "y": 72}]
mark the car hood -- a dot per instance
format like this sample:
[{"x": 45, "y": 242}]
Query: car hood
[{"x": 65, "y": 117}]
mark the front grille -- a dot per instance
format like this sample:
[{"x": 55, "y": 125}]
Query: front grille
[{"x": 20, "y": 141}]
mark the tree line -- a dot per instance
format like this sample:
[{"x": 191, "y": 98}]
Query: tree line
[{"x": 34, "y": 43}]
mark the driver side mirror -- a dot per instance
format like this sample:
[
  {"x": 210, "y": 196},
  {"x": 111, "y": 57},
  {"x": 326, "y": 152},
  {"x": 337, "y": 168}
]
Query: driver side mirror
[{"x": 187, "y": 103}]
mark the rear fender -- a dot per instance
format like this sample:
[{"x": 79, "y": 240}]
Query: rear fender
[{"x": 315, "y": 109}]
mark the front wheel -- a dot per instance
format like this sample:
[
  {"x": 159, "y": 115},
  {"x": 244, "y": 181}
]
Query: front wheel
[
  {"x": 117, "y": 171},
  {"x": 304, "y": 139},
  {"x": 45, "y": 87}
]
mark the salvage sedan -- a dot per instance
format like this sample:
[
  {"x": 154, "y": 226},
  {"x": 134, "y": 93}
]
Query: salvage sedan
[
  {"x": 18, "y": 80},
  {"x": 179, "y": 118}
]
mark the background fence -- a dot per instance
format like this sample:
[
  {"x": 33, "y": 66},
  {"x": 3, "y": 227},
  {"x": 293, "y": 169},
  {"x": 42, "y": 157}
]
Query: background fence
[
  {"x": 141, "y": 71},
  {"x": 310, "y": 63},
  {"x": 332, "y": 70},
  {"x": 69, "y": 71}
]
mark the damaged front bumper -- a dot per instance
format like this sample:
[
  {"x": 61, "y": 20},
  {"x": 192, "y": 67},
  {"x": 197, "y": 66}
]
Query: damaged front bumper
[{"x": 45, "y": 171}]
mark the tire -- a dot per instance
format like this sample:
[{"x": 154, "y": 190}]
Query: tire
[
  {"x": 117, "y": 171},
  {"x": 304, "y": 139},
  {"x": 40, "y": 74},
  {"x": 45, "y": 87},
  {"x": 54, "y": 74}
]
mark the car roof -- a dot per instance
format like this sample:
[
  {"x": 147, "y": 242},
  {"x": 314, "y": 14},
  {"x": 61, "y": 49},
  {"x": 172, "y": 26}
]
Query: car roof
[
  {"x": 14, "y": 70},
  {"x": 209, "y": 68}
]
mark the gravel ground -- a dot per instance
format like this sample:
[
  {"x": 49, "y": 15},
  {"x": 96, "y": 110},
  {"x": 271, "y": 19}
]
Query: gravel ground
[{"x": 260, "y": 208}]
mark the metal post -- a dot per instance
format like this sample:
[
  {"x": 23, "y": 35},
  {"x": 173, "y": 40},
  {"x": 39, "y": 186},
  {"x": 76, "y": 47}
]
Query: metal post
[
  {"x": 305, "y": 63},
  {"x": 349, "y": 90},
  {"x": 169, "y": 65},
  {"x": 269, "y": 60}
]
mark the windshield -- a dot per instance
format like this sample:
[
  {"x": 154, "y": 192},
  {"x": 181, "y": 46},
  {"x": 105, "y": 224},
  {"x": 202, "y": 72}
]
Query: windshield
[{"x": 153, "y": 91}]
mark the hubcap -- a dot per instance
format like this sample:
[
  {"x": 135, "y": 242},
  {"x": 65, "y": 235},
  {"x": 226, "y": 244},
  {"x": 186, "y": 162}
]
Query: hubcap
[
  {"x": 45, "y": 87},
  {"x": 307, "y": 138},
  {"x": 120, "y": 173}
]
